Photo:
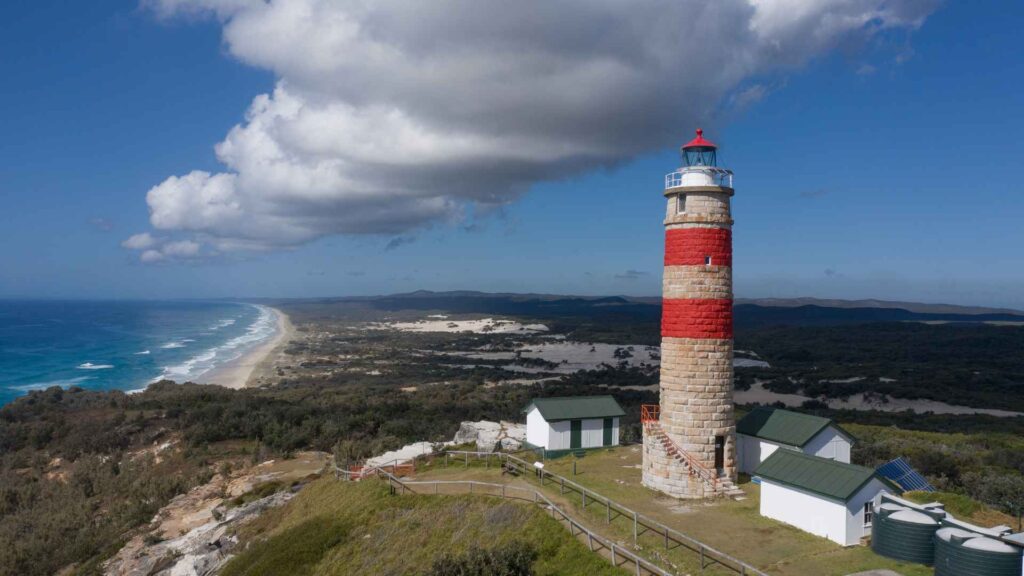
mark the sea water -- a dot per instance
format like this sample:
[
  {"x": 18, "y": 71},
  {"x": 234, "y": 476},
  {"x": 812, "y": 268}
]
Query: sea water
[{"x": 121, "y": 345}]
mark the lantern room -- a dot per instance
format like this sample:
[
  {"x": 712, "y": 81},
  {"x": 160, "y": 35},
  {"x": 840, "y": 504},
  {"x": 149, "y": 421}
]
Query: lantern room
[
  {"x": 700, "y": 152},
  {"x": 700, "y": 166}
]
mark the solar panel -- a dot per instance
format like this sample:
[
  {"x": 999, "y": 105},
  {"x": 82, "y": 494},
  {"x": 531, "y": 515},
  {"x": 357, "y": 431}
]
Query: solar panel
[{"x": 900, "y": 472}]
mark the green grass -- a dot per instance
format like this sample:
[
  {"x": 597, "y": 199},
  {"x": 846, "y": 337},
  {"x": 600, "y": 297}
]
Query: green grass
[
  {"x": 964, "y": 508},
  {"x": 335, "y": 528},
  {"x": 736, "y": 528}
]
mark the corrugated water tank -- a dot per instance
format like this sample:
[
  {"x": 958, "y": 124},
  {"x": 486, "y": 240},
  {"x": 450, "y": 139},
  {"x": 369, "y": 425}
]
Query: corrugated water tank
[
  {"x": 904, "y": 534},
  {"x": 962, "y": 553}
]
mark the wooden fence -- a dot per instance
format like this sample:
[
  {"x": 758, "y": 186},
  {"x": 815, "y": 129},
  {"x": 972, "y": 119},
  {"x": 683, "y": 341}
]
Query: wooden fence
[
  {"x": 708, "y": 555},
  {"x": 641, "y": 524},
  {"x": 619, "y": 556}
]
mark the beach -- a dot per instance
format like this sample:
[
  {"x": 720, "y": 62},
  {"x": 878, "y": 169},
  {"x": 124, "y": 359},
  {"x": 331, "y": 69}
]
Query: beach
[{"x": 249, "y": 368}]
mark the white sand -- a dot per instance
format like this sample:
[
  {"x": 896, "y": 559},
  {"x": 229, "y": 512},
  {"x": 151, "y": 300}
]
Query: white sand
[
  {"x": 236, "y": 374},
  {"x": 759, "y": 395},
  {"x": 481, "y": 326},
  {"x": 572, "y": 357}
]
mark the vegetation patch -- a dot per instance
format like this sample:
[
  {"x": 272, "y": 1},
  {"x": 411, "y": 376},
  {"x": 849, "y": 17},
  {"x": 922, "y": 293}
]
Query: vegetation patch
[{"x": 335, "y": 527}]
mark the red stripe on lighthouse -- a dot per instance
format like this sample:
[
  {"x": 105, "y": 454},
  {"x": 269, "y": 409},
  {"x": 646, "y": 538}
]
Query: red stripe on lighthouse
[
  {"x": 696, "y": 318},
  {"x": 692, "y": 246}
]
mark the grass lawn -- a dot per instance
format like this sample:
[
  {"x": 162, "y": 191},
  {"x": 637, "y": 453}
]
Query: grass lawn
[
  {"x": 735, "y": 528},
  {"x": 339, "y": 528}
]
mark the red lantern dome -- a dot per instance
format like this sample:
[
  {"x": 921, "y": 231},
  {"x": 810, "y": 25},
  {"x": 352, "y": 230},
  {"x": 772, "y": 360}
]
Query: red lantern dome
[
  {"x": 699, "y": 141},
  {"x": 700, "y": 152}
]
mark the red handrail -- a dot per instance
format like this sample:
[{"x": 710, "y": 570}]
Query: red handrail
[
  {"x": 650, "y": 413},
  {"x": 650, "y": 416}
]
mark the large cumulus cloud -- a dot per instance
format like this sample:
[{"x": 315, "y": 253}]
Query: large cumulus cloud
[{"x": 389, "y": 115}]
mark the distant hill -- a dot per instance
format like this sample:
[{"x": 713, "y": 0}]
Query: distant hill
[
  {"x": 749, "y": 313},
  {"x": 872, "y": 303}
]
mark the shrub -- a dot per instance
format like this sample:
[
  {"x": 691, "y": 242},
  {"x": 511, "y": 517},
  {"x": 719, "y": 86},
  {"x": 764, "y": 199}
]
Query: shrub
[{"x": 512, "y": 559}]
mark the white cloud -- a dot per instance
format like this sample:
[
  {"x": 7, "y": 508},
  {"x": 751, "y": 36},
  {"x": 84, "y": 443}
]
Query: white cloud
[
  {"x": 392, "y": 115},
  {"x": 159, "y": 249},
  {"x": 150, "y": 256},
  {"x": 181, "y": 249},
  {"x": 139, "y": 241}
]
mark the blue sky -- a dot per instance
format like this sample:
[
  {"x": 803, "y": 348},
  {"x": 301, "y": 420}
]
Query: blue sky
[{"x": 887, "y": 168}]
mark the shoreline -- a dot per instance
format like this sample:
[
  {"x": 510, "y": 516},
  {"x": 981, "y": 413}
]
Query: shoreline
[{"x": 241, "y": 371}]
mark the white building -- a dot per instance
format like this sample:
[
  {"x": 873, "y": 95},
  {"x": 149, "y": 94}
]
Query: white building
[
  {"x": 764, "y": 430},
  {"x": 831, "y": 499},
  {"x": 572, "y": 423}
]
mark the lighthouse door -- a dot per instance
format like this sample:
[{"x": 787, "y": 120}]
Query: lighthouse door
[{"x": 719, "y": 452}]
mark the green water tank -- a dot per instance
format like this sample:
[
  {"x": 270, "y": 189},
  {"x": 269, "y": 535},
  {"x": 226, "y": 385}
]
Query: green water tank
[
  {"x": 962, "y": 553},
  {"x": 904, "y": 534}
]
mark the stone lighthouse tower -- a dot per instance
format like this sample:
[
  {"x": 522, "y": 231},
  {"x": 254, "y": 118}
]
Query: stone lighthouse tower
[{"x": 690, "y": 438}]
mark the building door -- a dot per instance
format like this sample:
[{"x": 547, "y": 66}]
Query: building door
[
  {"x": 719, "y": 452},
  {"x": 607, "y": 440},
  {"x": 575, "y": 434}
]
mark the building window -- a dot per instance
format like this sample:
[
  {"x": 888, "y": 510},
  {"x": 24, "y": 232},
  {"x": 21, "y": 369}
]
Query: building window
[
  {"x": 869, "y": 512},
  {"x": 681, "y": 204},
  {"x": 707, "y": 260}
]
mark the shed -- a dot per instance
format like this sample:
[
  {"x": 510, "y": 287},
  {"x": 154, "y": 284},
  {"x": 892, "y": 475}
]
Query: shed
[
  {"x": 827, "y": 498},
  {"x": 764, "y": 430},
  {"x": 573, "y": 422}
]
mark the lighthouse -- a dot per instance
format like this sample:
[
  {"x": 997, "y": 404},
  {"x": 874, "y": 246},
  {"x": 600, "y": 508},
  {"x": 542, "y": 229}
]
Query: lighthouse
[{"x": 690, "y": 437}]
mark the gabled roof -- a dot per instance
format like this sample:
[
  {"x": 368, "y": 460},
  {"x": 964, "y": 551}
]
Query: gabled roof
[
  {"x": 784, "y": 427},
  {"x": 576, "y": 407},
  {"x": 829, "y": 478}
]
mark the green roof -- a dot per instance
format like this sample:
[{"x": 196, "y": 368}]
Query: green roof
[
  {"x": 836, "y": 480},
  {"x": 576, "y": 407},
  {"x": 783, "y": 426}
]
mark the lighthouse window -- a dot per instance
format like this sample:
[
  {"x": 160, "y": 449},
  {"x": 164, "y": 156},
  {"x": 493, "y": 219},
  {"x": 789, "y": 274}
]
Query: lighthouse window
[
  {"x": 680, "y": 204},
  {"x": 707, "y": 260}
]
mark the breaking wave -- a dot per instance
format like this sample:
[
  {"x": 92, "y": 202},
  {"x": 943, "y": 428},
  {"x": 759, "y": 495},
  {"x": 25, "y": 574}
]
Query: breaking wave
[
  {"x": 91, "y": 366},
  {"x": 262, "y": 328}
]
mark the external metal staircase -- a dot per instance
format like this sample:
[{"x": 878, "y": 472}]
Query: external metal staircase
[{"x": 718, "y": 484}]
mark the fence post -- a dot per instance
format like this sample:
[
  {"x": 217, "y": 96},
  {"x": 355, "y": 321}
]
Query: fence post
[
  {"x": 634, "y": 529},
  {"x": 471, "y": 487},
  {"x": 584, "y": 492},
  {"x": 445, "y": 459},
  {"x": 467, "y": 459},
  {"x": 702, "y": 559},
  {"x": 590, "y": 540},
  {"x": 608, "y": 511},
  {"x": 561, "y": 489},
  {"x": 614, "y": 563},
  {"x": 502, "y": 491}
]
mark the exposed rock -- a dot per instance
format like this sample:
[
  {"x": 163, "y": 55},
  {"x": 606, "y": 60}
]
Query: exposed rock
[
  {"x": 403, "y": 454},
  {"x": 489, "y": 436},
  {"x": 196, "y": 524},
  {"x": 198, "y": 552}
]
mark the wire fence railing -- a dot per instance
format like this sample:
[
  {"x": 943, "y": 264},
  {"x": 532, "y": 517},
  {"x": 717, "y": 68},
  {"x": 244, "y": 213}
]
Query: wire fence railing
[
  {"x": 618, "y": 555},
  {"x": 641, "y": 524}
]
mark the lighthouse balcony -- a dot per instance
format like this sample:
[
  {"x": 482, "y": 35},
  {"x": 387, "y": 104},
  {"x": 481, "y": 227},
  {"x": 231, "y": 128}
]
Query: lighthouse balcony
[{"x": 699, "y": 176}]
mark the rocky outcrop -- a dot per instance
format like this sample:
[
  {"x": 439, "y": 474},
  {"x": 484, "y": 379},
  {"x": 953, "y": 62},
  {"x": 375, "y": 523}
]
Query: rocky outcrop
[
  {"x": 403, "y": 454},
  {"x": 490, "y": 436},
  {"x": 191, "y": 535},
  {"x": 198, "y": 552}
]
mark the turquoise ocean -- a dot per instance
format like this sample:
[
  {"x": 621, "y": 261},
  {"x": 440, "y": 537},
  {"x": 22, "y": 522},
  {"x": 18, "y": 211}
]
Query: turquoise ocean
[{"x": 121, "y": 345}]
